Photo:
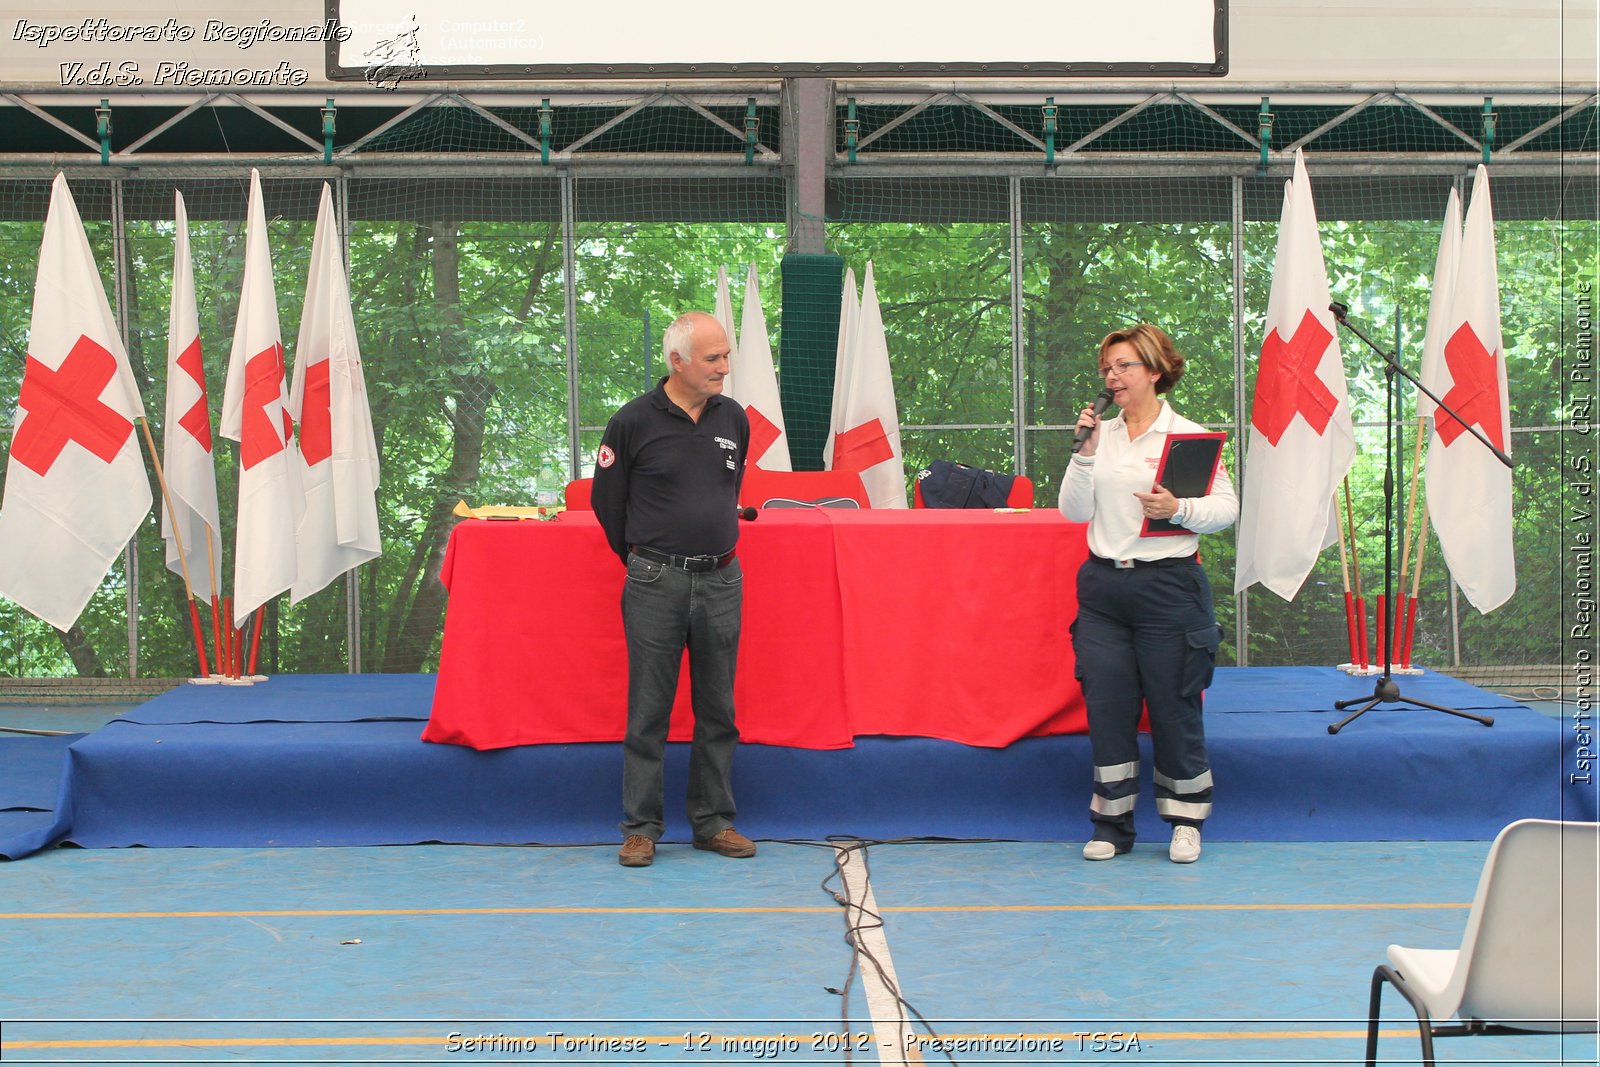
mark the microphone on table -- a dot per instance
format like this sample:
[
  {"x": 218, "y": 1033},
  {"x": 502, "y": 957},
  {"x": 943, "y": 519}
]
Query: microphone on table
[
  {"x": 747, "y": 514},
  {"x": 1085, "y": 432}
]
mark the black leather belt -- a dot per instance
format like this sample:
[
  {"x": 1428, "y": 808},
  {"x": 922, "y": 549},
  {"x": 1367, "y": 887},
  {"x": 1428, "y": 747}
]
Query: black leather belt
[
  {"x": 692, "y": 564},
  {"x": 1129, "y": 564}
]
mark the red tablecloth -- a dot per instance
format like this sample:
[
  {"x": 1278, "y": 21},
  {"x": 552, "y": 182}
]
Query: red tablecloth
[{"x": 928, "y": 623}]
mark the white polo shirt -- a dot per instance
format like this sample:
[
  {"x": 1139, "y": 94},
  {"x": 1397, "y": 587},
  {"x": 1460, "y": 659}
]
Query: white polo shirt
[{"x": 1099, "y": 490}]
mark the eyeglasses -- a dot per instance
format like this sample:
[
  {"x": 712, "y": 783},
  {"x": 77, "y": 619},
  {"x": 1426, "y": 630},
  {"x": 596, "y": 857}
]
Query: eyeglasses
[{"x": 1121, "y": 367}]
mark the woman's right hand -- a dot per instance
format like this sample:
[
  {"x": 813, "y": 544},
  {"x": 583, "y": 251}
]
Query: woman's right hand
[{"x": 1088, "y": 418}]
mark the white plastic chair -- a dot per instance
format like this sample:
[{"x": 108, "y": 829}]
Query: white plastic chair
[{"x": 1528, "y": 959}]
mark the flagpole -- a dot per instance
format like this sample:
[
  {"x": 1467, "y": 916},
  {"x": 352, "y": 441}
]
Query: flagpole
[
  {"x": 216, "y": 613},
  {"x": 1416, "y": 584},
  {"x": 1408, "y": 541},
  {"x": 183, "y": 561},
  {"x": 1349, "y": 598},
  {"x": 255, "y": 641},
  {"x": 1355, "y": 567}
]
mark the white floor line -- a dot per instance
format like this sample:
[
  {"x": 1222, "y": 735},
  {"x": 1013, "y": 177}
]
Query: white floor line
[{"x": 890, "y": 1024}]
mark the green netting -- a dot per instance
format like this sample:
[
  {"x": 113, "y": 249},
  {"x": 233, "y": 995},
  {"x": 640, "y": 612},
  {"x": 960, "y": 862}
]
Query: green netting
[
  {"x": 813, "y": 287},
  {"x": 1166, "y": 123},
  {"x": 715, "y": 123},
  {"x": 652, "y": 124}
]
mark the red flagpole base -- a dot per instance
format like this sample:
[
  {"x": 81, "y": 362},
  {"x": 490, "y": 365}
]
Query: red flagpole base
[
  {"x": 225, "y": 638},
  {"x": 1361, "y": 632},
  {"x": 199, "y": 637},
  {"x": 1379, "y": 648},
  {"x": 1411, "y": 632},
  {"x": 1350, "y": 623},
  {"x": 1397, "y": 637},
  {"x": 216, "y": 636},
  {"x": 255, "y": 641}
]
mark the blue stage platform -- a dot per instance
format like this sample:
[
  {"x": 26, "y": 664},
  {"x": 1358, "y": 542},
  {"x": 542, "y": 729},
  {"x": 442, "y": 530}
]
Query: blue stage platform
[{"x": 337, "y": 760}]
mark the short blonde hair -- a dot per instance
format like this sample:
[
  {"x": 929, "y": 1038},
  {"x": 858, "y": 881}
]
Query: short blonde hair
[{"x": 1155, "y": 350}]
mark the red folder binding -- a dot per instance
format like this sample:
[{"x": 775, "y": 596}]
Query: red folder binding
[{"x": 1188, "y": 468}]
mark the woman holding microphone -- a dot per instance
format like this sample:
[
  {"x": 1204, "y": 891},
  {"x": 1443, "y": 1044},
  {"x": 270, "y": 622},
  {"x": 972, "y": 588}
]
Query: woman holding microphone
[{"x": 1146, "y": 634}]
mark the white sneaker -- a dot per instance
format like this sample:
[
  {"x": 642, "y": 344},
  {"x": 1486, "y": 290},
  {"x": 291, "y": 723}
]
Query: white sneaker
[
  {"x": 1185, "y": 844},
  {"x": 1099, "y": 850}
]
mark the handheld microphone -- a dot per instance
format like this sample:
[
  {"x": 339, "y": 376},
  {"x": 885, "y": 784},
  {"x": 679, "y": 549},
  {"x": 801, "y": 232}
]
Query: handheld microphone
[
  {"x": 1085, "y": 432},
  {"x": 747, "y": 514}
]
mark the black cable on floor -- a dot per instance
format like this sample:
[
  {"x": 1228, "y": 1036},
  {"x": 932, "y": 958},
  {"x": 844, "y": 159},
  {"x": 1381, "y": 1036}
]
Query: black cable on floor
[{"x": 845, "y": 847}]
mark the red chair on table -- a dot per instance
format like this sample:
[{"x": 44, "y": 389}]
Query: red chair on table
[
  {"x": 802, "y": 489},
  {"x": 578, "y": 494}
]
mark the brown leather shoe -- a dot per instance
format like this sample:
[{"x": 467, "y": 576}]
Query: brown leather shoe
[
  {"x": 730, "y": 843},
  {"x": 637, "y": 851}
]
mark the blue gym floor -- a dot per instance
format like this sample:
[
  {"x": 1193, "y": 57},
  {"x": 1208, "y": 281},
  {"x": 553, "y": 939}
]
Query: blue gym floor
[{"x": 1261, "y": 953}]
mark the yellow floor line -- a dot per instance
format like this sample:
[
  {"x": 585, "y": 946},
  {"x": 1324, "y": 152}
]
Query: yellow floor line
[{"x": 798, "y": 910}]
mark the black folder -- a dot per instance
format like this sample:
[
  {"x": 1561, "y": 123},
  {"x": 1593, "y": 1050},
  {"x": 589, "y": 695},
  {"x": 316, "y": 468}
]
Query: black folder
[{"x": 1188, "y": 467}]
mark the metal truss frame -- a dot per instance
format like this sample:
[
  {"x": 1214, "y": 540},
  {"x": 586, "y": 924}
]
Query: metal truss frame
[{"x": 604, "y": 108}]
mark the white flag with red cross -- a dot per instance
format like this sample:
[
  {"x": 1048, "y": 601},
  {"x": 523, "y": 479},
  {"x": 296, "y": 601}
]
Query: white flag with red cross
[
  {"x": 76, "y": 489},
  {"x": 843, "y": 361},
  {"x": 1302, "y": 440},
  {"x": 1444, "y": 289},
  {"x": 338, "y": 452},
  {"x": 1469, "y": 488},
  {"x": 866, "y": 429},
  {"x": 753, "y": 382},
  {"x": 186, "y": 449},
  {"x": 255, "y": 414}
]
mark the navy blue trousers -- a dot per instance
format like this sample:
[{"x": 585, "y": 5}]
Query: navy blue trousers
[{"x": 1146, "y": 637}]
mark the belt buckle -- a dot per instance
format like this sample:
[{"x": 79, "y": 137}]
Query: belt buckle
[{"x": 1124, "y": 564}]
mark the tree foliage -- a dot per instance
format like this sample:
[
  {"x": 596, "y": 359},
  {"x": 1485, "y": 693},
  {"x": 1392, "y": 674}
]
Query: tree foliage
[{"x": 466, "y": 346}]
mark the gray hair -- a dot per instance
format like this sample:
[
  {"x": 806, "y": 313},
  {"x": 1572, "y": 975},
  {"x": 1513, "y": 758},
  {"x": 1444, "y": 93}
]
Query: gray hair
[{"x": 679, "y": 338}]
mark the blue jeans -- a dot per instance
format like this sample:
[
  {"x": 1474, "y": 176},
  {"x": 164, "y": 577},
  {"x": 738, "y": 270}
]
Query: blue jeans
[{"x": 664, "y": 611}]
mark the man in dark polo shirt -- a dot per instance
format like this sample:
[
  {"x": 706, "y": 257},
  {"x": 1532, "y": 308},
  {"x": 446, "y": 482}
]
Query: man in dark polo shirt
[{"x": 666, "y": 491}]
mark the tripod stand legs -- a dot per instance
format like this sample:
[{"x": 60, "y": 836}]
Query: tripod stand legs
[{"x": 1387, "y": 691}]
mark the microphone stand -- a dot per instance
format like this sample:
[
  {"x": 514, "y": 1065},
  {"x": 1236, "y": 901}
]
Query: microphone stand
[{"x": 1386, "y": 690}]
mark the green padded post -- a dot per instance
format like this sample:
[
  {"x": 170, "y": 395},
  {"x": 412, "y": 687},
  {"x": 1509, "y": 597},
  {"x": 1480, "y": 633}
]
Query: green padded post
[
  {"x": 812, "y": 288},
  {"x": 329, "y": 128},
  {"x": 1264, "y": 128},
  {"x": 1488, "y": 127},
  {"x": 1050, "y": 129},
  {"x": 102, "y": 128}
]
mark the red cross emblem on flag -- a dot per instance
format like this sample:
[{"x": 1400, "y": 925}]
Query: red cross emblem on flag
[
  {"x": 763, "y": 434},
  {"x": 196, "y": 420},
  {"x": 316, "y": 415},
  {"x": 260, "y": 437},
  {"x": 862, "y": 447},
  {"x": 64, "y": 405},
  {"x": 1474, "y": 389},
  {"x": 1288, "y": 382}
]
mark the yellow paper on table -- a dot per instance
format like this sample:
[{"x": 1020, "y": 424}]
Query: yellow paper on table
[{"x": 500, "y": 511}]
